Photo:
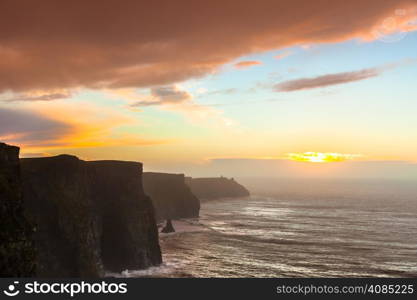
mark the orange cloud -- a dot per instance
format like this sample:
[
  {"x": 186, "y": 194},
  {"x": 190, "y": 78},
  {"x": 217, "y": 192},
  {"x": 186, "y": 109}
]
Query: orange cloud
[
  {"x": 60, "y": 125},
  {"x": 283, "y": 54},
  {"x": 28, "y": 128},
  {"x": 118, "y": 44},
  {"x": 247, "y": 64},
  {"x": 37, "y": 96}
]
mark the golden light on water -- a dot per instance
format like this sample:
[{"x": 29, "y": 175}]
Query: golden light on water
[{"x": 319, "y": 157}]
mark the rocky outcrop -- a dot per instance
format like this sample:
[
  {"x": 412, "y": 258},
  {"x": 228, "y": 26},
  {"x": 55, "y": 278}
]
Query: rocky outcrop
[
  {"x": 171, "y": 197},
  {"x": 17, "y": 252},
  {"x": 89, "y": 215},
  {"x": 216, "y": 187},
  {"x": 168, "y": 228}
]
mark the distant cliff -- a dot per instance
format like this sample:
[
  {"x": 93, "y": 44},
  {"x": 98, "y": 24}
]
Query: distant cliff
[
  {"x": 171, "y": 197},
  {"x": 216, "y": 187},
  {"x": 89, "y": 214},
  {"x": 17, "y": 252}
]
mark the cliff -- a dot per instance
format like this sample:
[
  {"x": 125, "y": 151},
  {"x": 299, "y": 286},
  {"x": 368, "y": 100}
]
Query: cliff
[
  {"x": 130, "y": 235},
  {"x": 171, "y": 197},
  {"x": 58, "y": 200},
  {"x": 90, "y": 216},
  {"x": 216, "y": 187},
  {"x": 17, "y": 253}
]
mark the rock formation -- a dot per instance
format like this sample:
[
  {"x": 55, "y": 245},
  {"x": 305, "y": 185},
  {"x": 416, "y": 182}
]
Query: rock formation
[
  {"x": 89, "y": 214},
  {"x": 17, "y": 253},
  {"x": 168, "y": 227},
  {"x": 216, "y": 187},
  {"x": 170, "y": 195}
]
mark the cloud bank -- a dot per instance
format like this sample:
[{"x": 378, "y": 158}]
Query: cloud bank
[
  {"x": 282, "y": 168},
  {"x": 120, "y": 44}
]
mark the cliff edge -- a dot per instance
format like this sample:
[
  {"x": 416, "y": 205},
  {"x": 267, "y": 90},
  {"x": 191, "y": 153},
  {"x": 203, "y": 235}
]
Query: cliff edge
[{"x": 216, "y": 187}]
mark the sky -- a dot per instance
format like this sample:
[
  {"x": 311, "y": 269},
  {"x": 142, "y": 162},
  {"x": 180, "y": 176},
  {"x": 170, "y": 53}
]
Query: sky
[{"x": 187, "y": 86}]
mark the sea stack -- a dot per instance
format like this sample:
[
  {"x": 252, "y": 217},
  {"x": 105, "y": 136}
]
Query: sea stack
[
  {"x": 171, "y": 197},
  {"x": 168, "y": 227},
  {"x": 17, "y": 252}
]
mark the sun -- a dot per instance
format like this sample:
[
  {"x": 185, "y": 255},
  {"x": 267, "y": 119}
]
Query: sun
[{"x": 320, "y": 157}]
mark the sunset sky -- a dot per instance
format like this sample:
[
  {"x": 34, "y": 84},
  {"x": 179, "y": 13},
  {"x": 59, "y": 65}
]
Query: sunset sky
[{"x": 176, "y": 84}]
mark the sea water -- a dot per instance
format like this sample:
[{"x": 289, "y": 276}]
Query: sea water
[{"x": 298, "y": 229}]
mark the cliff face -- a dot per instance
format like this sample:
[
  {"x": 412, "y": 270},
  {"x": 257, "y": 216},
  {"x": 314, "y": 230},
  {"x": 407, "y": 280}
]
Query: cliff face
[
  {"x": 217, "y": 187},
  {"x": 89, "y": 214},
  {"x": 17, "y": 253},
  {"x": 58, "y": 199},
  {"x": 130, "y": 235},
  {"x": 171, "y": 197}
]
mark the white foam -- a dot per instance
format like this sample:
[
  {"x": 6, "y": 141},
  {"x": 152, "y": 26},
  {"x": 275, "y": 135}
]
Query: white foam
[{"x": 163, "y": 270}]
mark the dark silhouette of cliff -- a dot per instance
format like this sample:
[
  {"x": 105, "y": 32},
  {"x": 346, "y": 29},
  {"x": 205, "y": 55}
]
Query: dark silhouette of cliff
[
  {"x": 17, "y": 252},
  {"x": 130, "y": 235},
  {"x": 58, "y": 199},
  {"x": 171, "y": 197},
  {"x": 216, "y": 187},
  {"x": 89, "y": 215}
]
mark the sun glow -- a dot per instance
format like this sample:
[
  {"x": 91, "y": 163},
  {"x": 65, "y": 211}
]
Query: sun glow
[{"x": 318, "y": 157}]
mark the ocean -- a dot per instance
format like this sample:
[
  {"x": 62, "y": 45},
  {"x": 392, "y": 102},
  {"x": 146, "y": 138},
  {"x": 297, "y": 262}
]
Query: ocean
[{"x": 294, "y": 228}]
